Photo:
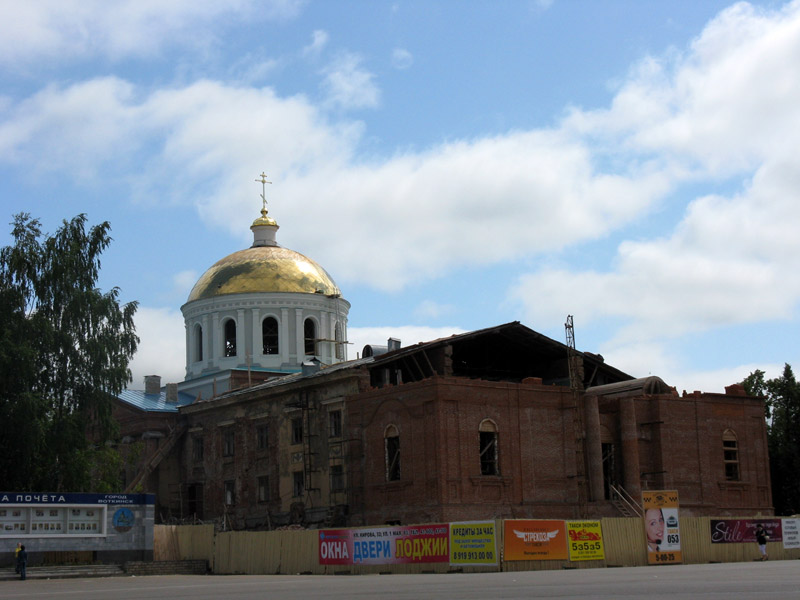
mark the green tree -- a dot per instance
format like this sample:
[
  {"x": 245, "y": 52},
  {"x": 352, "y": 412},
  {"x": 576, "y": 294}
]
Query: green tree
[
  {"x": 782, "y": 401},
  {"x": 64, "y": 347}
]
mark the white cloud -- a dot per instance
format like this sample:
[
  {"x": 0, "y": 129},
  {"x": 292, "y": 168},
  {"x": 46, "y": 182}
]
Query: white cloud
[
  {"x": 76, "y": 128},
  {"x": 432, "y": 309},
  {"x": 459, "y": 203},
  {"x": 651, "y": 357},
  {"x": 162, "y": 350},
  {"x": 184, "y": 281},
  {"x": 254, "y": 69},
  {"x": 466, "y": 203},
  {"x": 488, "y": 200},
  {"x": 730, "y": 259},
  {"x": 319, "y": 39},
  {"x": 402, "y": 58},
  {"x": 541, "y": 5},
  {"x": 69, "y": 29},
  {"x": 348, "y": 85},
  {"x": 725, "y": 104}
]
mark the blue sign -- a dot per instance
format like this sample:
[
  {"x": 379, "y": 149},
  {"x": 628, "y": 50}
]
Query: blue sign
[
  {"x": 58, "y": 498},
  {"x": 123, "y": 520}
]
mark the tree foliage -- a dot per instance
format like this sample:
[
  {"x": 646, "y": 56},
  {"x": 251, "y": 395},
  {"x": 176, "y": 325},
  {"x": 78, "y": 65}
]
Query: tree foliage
[
  {"x": 64, "y": 347},
  {"x": 782, "y": 396}
]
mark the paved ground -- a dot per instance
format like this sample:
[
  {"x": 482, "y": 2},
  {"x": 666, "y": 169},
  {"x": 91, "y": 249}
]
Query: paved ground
[{"x": 731, "y": 581}]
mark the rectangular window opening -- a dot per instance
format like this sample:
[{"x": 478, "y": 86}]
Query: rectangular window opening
[
  {"x": 262, "y": 437},
  {"x": 197, "y": 449},
  {"x": 299, "y": 484},
  {"x": 393, "y": 458},
  {"x": 335, "y": 424},
  {"x": 488, "y": 453},
  {"x": 228, "y": 440},
  {"x": 263, "y": 488},
  {"x": 297, "y": 430},
  {"x": 337, "y": 478}
]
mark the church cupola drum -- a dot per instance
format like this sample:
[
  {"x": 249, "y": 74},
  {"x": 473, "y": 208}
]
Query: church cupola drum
[{"x": 265, "y": 309}]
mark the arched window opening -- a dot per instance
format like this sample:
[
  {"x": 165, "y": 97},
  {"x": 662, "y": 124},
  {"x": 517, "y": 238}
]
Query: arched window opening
[
  {"x": 488, "y": 448},
  {"x": 310, "y": 336},
  {"x": 198, "y": 343},
  {"x": 730, "y": 453},
  {"x": 230, "y": 338},
  {"x": 391, "y": 442},
  {"x": 269, "y": 335}
]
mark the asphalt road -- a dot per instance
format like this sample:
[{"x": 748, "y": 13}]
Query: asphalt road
[{"x": 730, "y": 581}]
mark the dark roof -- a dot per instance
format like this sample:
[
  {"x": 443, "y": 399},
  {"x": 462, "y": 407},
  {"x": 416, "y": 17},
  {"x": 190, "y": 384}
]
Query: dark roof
[
  {"x": 154, "y": 402},
  {"x": 511, "y": 351}
]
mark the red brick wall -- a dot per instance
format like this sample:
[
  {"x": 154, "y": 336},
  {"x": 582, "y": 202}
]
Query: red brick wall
[{"x": 679, "y": 445}]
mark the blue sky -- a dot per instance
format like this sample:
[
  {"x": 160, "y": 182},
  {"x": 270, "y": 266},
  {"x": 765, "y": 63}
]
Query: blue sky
[{"x": 453, "y": 165}]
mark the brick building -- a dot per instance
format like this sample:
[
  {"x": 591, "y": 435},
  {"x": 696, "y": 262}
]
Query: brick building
[
  {"x": 272, "y": 424},
  {"x": 478, "y": 425}
]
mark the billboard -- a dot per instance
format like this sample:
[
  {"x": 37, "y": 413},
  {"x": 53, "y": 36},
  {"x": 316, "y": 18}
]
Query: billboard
[
  {"x": 585, "y": 540},
  {"x": 473, "y": 543},
  {"x": 661, "y": 526},
  {"x": 740, "y": 531},
  {"x": 534, "y": 539},
  {"x": 384, "y": 545},
  {"x": 791, "y": 533}
]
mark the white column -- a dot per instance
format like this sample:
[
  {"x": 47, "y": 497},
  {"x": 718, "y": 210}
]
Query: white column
[
  {"x": 298, "y": 335},
  {"x": 188, "y": 345},
  {"x": 241, "y": 338},
  {"x": 258, "y": 344},
  {"x": 324, "y": 348},
  {"x": 207, "y": 354},
  {"x": 216, "y": 337},
  {"x": 283, "y": 341}
]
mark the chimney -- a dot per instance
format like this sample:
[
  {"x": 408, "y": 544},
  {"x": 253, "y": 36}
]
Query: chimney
[
  {"x": 172, "y": 392},
  {"x": 393, "y": 344},
  {"x": 310, "y": 367},
  {"x": 152, "y": 384}
]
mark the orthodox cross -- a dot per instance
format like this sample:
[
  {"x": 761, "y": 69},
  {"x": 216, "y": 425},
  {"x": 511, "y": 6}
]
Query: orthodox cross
[{"x": 264, "y": 182}]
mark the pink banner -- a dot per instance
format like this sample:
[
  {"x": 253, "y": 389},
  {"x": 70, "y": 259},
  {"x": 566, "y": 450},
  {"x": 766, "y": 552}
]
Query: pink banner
[
  {"x": 740, "y": 531},
  {"x": 384, "y": 545}
]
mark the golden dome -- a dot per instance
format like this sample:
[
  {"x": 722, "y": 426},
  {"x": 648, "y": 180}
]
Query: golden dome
[
  {"x": 263, "y": 269},
  {"x": 264, "y": 219}
]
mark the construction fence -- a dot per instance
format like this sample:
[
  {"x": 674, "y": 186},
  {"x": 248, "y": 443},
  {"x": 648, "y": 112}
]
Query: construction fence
[{"x": 314, "y": 551}]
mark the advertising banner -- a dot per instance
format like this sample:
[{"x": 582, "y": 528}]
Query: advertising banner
[
  {"x": 384, "y": 545},
  {"x": 537, "y": 539},
  {"x": 662, "y": 530},
  {"x": 473, "y": 543},
  {"x": 741, "y": 531},
  {"x": 585, "y": 540},
  {"x": 791, "y": 533}
]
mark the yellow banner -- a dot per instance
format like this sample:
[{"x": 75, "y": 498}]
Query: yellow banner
[
  {"x": 473, "y": 543},
  {"x": 661, "y": 526},
  {"x": 585, "y": 540}
]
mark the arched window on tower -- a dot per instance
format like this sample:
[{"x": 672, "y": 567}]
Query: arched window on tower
[
  {"x": 391, "y": 444},
  {"x": 269, "y": 335},
  {"x": 198, "y": 343},
  {"x": 230, "y": 338},
  {"x": 490, "y": 464},
  {"x": 310, "y": 336}
]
